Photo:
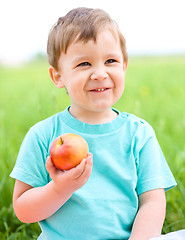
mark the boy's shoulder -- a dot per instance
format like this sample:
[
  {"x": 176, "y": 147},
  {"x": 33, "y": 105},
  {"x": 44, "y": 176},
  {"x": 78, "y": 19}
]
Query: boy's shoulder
[
  {"x": 133, "y": 118},
  {"x": 46, "y": 127},
  {"x": 137, "y": 123},
  {"x": 138, "y": 129}
]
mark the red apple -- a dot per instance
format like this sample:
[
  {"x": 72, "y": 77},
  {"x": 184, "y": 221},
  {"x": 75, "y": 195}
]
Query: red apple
[{"x": 68, "y": 150}]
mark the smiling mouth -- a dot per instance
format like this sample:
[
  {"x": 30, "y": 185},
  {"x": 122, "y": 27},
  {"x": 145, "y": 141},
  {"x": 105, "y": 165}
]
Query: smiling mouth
[{"x": 99, "y": 90}]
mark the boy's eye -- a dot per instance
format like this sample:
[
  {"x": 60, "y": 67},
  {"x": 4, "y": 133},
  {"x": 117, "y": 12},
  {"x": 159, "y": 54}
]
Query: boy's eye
[
  {"x": 83, "y": 64},
  {"x": 110, "y": 61}
]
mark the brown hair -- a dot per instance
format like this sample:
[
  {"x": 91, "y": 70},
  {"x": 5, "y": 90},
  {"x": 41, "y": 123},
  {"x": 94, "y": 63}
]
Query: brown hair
[{"x": 80, "y": 24}]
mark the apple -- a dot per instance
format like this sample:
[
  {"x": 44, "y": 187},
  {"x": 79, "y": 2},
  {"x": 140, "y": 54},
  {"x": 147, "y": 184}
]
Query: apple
[{"x": 68, "y": 150}]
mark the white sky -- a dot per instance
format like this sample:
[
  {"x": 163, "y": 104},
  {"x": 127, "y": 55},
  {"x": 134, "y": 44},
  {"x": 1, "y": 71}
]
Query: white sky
[{"x": 149, "y": 26}]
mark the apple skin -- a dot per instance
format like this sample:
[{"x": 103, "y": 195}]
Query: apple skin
[{"x": 68, "y": 150}]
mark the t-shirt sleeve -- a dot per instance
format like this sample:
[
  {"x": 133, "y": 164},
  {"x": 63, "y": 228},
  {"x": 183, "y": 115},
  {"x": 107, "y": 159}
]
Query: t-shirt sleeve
[
  {"x": 152, "y": 169},
  {"x": 30, "y": 164}
]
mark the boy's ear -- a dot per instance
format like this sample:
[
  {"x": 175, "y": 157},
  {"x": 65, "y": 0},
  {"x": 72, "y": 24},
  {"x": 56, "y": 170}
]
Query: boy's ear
[
  {"x": 56, "y": 77},
  {"x": 125, "y": 64}
]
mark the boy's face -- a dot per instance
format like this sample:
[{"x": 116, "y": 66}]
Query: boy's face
[{"x": 93, "y": 73}]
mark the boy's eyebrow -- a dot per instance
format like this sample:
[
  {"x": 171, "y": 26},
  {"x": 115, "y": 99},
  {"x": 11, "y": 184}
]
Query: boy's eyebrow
[
  {"x": 79, "y": 58},
  {"x": 114, "y": 55},
  {"x": 85, "y": 57}
]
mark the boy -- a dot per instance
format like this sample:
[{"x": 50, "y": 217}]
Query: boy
[{"x": 118, "y": 191}]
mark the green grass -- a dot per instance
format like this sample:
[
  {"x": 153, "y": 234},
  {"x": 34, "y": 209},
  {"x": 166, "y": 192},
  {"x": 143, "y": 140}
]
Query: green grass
[{"x": 155, "y": 91}]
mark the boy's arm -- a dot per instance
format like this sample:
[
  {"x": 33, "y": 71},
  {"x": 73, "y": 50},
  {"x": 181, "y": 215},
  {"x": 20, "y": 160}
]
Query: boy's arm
[
  {"x": 150, "y": 217},
  {"x": 35, "y": 204}
]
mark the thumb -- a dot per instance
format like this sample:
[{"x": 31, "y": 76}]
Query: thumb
[{"x": 50, "y": 167}]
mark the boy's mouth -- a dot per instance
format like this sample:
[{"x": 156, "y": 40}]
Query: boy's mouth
[{"x": 99, "y": 90}]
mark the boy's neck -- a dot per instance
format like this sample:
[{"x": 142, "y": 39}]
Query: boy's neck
[{"x": 92, "y": 117}]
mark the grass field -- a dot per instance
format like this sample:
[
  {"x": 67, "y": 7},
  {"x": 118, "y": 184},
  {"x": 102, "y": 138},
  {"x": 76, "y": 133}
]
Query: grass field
[{"x": 155, "y": 91}]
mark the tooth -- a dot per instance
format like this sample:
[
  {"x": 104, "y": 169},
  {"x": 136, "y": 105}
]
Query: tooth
[{"x": 100, "y": 89}]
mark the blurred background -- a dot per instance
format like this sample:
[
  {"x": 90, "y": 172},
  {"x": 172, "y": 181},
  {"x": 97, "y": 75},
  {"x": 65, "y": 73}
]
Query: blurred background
[{"x": 155, "y": 86}]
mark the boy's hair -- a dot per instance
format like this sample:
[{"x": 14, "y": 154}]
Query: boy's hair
[{"x": 80, "y": 24}]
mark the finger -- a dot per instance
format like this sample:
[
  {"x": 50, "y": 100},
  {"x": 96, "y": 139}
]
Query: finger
[
  {"x": 88, "y": 167},
  {"x": 87, "y": 170},
  {"x": 50, "y": 166},
  {"x": 77, "y": 171},
  {"x": 90, "y": 157}
]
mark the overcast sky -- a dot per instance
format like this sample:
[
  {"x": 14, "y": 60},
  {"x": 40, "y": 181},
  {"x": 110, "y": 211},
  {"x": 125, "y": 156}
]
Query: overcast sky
[{"x": 149, "y": 26}]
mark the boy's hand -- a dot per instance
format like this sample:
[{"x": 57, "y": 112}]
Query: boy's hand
[
  {"x": 35, "y": 204},
  {"x": 73, "y": 179}
]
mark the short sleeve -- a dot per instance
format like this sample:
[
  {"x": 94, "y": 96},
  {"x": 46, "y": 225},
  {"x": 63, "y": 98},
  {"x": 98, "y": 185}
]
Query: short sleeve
[
  {"x": 152, "y": 169},
  {"x": 30, "y": 164}
]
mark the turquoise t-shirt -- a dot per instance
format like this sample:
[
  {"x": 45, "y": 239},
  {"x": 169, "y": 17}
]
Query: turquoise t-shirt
[{"x": 127, "y": 161}]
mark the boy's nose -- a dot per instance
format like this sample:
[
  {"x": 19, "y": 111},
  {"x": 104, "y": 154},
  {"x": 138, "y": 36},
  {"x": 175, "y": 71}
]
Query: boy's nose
[{"x": 99, "y": 74}]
